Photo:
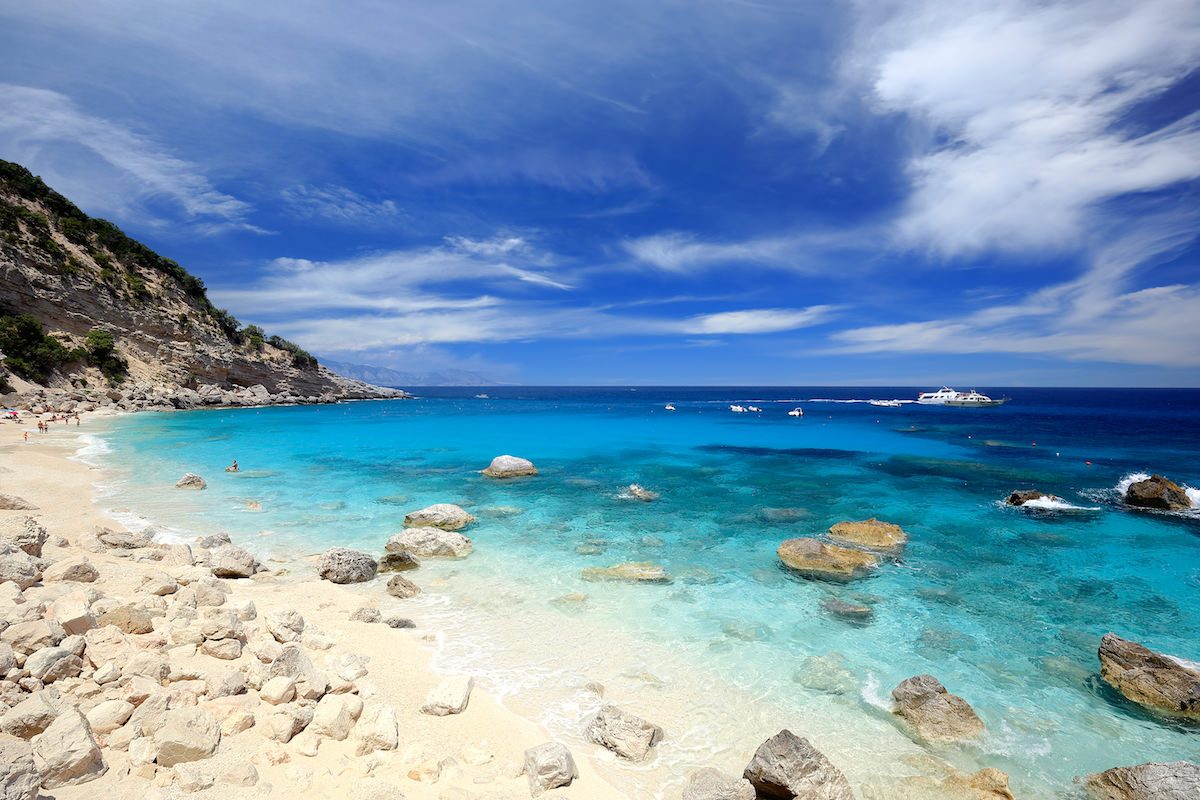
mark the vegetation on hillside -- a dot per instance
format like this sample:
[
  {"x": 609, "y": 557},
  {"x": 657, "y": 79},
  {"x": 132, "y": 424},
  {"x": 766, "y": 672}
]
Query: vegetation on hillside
[
  {"x": 33, "y": 354},
  {"x": 120, "y": 259}
]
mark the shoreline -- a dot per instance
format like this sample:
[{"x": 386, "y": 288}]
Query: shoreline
[{"x": 472, "y": 753}]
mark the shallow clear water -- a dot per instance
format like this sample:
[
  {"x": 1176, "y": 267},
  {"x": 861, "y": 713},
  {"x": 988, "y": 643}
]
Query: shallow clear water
[{"x": 1005, "y": 606}]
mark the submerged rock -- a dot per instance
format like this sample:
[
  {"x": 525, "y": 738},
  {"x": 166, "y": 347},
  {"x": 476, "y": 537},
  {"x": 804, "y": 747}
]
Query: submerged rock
[
  {"x": 398, "y": 562},
  {"x": 510, "y": 467},
  {"x": 934, "y": 713},
  {"x": 549, "y": 766},
  {"x": 430, "y": 543},
  {"x": 1177, "y": 780},
  {"x": 625, "y": 734},
  {"x": 855, "y": 612},
  {"x": 631, "y": 572},
  {"x": 787, "y": 766},
  {"x": 191, "y": 480},
  {"x": 402, "y": 587},
  {"x": 1159, "y": 493},
  {"x": 712, "y": 784},
  {"x": 446, "y": 516},
  {"x": 1149, "y": 679},
  {"x": 639, "y": 492},
  {"x": 869, "y": 533},
  {"x": 343, "y": 565},
  {"x": 815, "y": 559}
]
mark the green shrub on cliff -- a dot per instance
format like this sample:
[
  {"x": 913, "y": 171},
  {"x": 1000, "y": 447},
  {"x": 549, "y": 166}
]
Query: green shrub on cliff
[
  {"x": 101, "y": 350},
  {"x": 28, "y": 351}
]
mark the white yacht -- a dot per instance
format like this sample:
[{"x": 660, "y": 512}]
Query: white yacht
[
  {"x": 974, "y": 399},
  {"x": 938, "y": 398},
  {"x": 753, "y": 408},
  {"x": 796, "y": 412},
  {"x": 669, "y": 407},
  {"x": 738, "y": 409}
]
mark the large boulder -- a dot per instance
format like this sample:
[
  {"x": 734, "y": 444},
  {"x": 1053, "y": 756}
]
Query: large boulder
[
  {"x": 1155, "y": 681},
  {"x": 24, "y": 533},
  {"x": 871, "y": 533},
  {"x": 449, "y": 697},
  {"x": 430, "y": 543},
  {"x": 549, "y": 766},
  {"x": 812, "y": 558},
  {"x": 712, "y": 784},
  {"x": 18, "y": 567},
  {"x": 631, "y": 572},
  {"x": 625, "y": 734},
  {"x": 10, "y": 502},
  {"x": 186, "y": 734},
  {"x": 1177, "y": 780},
  {"x": 77, "y": 570},
  {"x": 1159, "y": 493},
  {"x": 335, "y": 715},
  {"x": 19, "y": 776},
  {"x": 30, "y": 717},
  {"x": 787, "y": 766},
  {"x": 191, "y": 480},
  {"x": 509, "y": 467},
  {"x": 934, "y": 713},
  {"x": 231, "y": 561},
  {"x": 446, "y": 516},
  {"x": 66, "y": 753},
  {"x": 343, "y": 565}
]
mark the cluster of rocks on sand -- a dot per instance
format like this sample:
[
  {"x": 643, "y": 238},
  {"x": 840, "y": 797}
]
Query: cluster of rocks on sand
[{"x": 147, "y": 396}]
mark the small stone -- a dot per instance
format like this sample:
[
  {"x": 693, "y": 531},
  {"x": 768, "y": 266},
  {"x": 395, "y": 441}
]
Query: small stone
[
  {"x": 277, "y": 690},
  {"x": 398, "y": 562},
  {"x": 401, "y": 587},
  {"x": 449, "y": 697},
  {"x": 509, "y": 467},
  {"x": 231, "y": 561},
  {"x": 365, "y": 614},
  {"x": 549, "y": 766},
  {"x": 712, "y": 784},
  {"x": 240, "y": 775},
  {"x": 446, "y": 516},
  {"x": 399, "y": 623},
  {"x": 286, "y": 625},
  {"x": 625, "y": 734},
  {"x": 191, "y": 480},
  {"x": 186, "y": 734},
  {"x": 343, "y": 565},
  {"x": 934, "y": 713}
]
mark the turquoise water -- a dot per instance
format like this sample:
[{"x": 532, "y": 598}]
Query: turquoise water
[{"x": 1005, "y": 606}]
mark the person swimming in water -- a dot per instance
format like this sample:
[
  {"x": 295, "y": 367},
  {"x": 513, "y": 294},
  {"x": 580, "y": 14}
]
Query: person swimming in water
[{"x": 232, "y": 467}]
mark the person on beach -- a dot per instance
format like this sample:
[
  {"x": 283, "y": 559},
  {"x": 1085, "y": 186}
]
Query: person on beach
[
  {"x": 27, "y": 436},
  {"x": 232, "y": 467}
]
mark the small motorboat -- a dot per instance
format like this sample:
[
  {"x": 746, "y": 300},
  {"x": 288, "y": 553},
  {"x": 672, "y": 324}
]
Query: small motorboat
[
  {"x": 885, "y": 403},
  {"x": 669, "y": 407},
  {"x": 482, "y": 397},
  {"x": 796, "y": 412},
  {"x": 738, "y": 409},
  {"x": 754, "y": 408}
]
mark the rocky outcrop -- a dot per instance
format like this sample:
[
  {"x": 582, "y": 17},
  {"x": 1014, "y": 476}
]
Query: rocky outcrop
[
  {"x": 343, "y": 565},
  {"x": 630, "y": 572},
  {"x": 1177, "y": 780},
  {"x": 510, "y": 467},
  {"x": 813, "y": 558},
  {"x": 73, "y": 274},
  {"x": 872, "y": 533},
  {"x": 446, "y": 516},
  {"x": 712, "y": 784},
  {"x": 10, "y": 502},
  {"x": 401, "y": 561},
  {"x": 935, "y": 714},
  {"x": 787, "y": 766},
  {"x": 24, "y": 533},
  {"x": 1158, "y": 493},
  {"x": 1150, "y": 679},
  {"x": 1022, "y": 496},
  {"x": 627, "y": 735},
  {"x": 430, "y": 543}
]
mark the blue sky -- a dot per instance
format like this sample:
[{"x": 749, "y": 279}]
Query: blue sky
[{"x": 746, "y": 191}]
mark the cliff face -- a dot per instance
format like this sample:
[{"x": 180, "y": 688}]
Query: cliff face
[{"x": 74, "y": 275}]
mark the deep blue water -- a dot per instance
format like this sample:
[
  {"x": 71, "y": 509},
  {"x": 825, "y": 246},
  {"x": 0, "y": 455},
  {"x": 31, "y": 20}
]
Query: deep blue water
[{"x": 1005, "y": 606}]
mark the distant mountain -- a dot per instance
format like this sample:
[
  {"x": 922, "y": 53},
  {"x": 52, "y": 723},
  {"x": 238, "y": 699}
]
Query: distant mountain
[{"x": 382, "y": 376}]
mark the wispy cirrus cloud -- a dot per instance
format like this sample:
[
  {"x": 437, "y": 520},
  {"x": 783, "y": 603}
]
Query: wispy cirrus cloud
[
  {"x": 1023, "y": 109},
  {"x": 340, "y": 204},
  {"x": 757, "y": 320},
  {"x": 128, "y": 173},
  {"x": 682, "y": 252}
]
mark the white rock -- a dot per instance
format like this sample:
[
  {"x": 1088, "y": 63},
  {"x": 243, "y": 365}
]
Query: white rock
[
  {"x": 79, "y": 570},
  {"x": 289, "y": 720},
  {"x": 285, "y": 625},
  {"x": 277, "y": 690},
  {"x": 19, "y": 777},
  {"x": 53, "y": 663},
  {"x": 549, "y": 766},
  {"x": 74, "y": 612},
  {"x": 159, "y": 583},
  {"x": 243, "y": 774},
  {"x": 191, "y": 480},
  {"x": 231, "y": 561},
  {"x": 311, "y": 683},
  {"x": 29, "y": 717},
  {"x": 186, "y": 734},
  {"x": 431, "y": 543},
  {"x": 66, "y": 753},
  {"x": 106, "y": 674},
  {"x": 343, "y": 565},
  {"x": 509, "y": 467},
  {"x": 378, "y": 729},
  {"x": 449, "y": 697},
  {"x": 109, "y": 715},
  {"x": 626, "y": 735},
  {"x": 446, "y": 516},
  {"x": 244, "y": 609},
  {"x": 335, "y": 715}
]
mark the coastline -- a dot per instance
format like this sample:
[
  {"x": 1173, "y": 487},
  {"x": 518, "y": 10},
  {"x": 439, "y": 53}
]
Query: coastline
[{"x": 478, "y": 753}]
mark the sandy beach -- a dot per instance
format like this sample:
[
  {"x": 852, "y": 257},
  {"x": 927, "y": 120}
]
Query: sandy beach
[{"x": 478, "y": 753}]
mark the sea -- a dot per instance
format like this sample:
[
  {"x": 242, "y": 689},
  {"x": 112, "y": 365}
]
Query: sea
[{"x": 1006, "y": 606}]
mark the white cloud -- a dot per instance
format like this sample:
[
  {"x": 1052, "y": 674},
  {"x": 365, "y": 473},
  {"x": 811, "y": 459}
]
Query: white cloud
[
  {"x": 758, "y": 320},
  {"x": 806, "y": 252},
  {"x": 340, "y": 204},
  {"x": 128, "y": 171},
  {"x": 1024, "y": 108}
]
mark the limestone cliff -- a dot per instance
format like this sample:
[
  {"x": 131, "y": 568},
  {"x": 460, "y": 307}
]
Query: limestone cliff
[{"x": 77, "y": 275}]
